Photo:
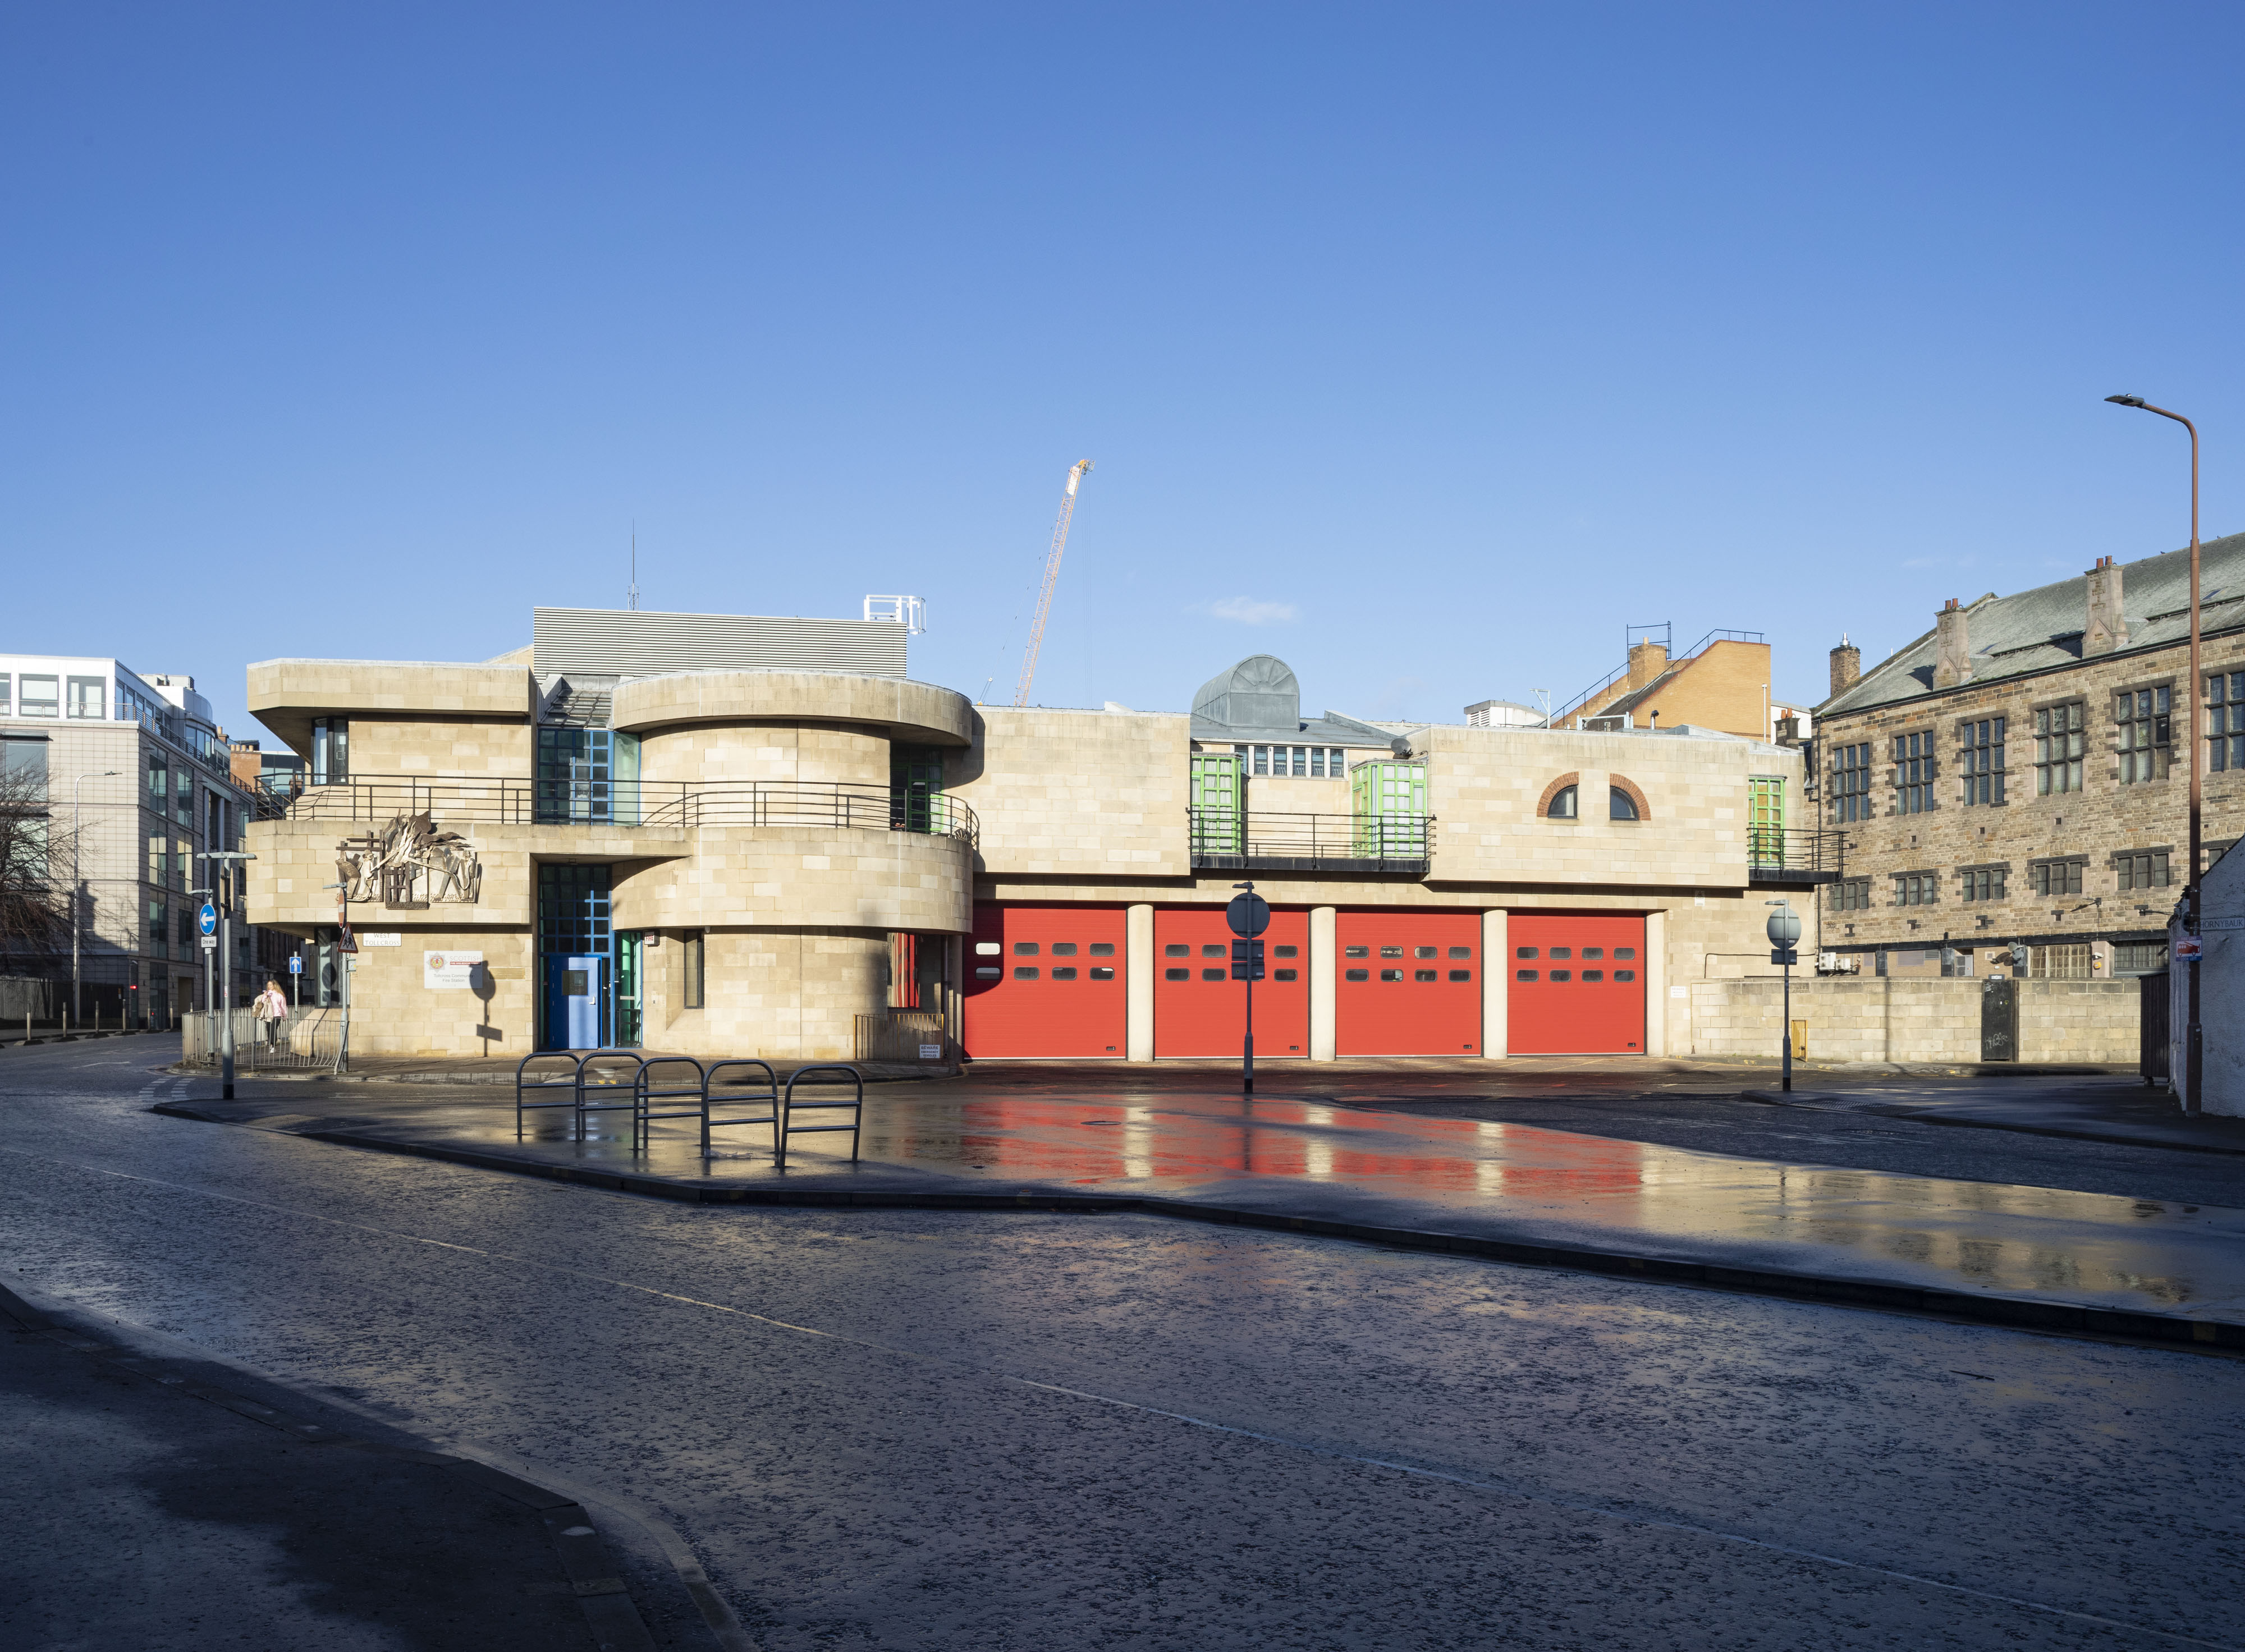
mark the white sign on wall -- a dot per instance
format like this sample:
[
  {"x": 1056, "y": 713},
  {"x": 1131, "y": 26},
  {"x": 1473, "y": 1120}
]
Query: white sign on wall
[
  {"x": 450, "y": 972},
  {"x": 391, "y": 940}
]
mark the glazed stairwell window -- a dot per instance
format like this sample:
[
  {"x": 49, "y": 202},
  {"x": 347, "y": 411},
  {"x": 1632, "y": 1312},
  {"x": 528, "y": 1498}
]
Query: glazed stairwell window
[
  {"x": 2225, "y": 721},
  {"x": 1980, "y": 759},
  {"x": 1913, "y": 760},
  {"x": 330, "y": 751},
  {"x": 2143, "y": 733},
  {"x": 1851, "y": 782},
  {"x": 691, "y": 982},
  {"x": 2059, "y": 742}
]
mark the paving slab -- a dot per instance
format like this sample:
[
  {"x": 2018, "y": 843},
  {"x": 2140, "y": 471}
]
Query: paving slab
[
  {"x": 2119, "y": 1112},
  {"x": 2069, "y": 1260}
]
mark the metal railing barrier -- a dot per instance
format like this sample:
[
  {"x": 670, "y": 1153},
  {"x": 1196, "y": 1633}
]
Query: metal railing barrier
[
  {"x": 769, "y": 1095},
  {"x": 788, "y": 1126},
  {"x": 606, "y": 1086},
  {"x": 645, "y": 1092},
  {"x": 523, "y": 1082}
]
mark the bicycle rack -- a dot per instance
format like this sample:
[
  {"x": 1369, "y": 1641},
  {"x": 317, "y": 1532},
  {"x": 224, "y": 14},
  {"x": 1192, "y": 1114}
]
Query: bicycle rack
[
  {"x": 770, "y": 1097},
  {"x": 522, "y": 1084},
  {"x": 644, "y": 1091},
  {"x": 628, "y": 1087},
  {"x": 788, "y": 1126}
]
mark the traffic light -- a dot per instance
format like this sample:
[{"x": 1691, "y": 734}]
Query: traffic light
[{"x": 1247, "y": 960}]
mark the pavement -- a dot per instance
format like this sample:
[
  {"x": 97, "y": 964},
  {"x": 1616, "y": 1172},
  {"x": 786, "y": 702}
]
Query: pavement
[
  {"x": 1391, "y": 1161},
  {"x": 999, "y": 1430},
  {"x": 176, "y": 1510}
]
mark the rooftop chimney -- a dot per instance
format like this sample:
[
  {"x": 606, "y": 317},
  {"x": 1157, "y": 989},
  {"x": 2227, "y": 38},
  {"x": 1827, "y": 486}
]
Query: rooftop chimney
[
  {"x": 2106, "y": 629},
  {"x": 1847, "y": 664},
  {"x": 1647, "y": 661},
  {"x": 1952, "y": 654}
]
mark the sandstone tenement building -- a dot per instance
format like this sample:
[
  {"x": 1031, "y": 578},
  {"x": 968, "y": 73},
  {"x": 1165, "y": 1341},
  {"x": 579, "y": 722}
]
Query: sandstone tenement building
[{"x": 2017, "y": 773}]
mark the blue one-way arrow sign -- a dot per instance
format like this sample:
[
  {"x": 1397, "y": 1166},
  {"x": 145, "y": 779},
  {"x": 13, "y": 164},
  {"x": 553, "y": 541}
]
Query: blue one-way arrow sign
[{"x": 207, "y": 920}]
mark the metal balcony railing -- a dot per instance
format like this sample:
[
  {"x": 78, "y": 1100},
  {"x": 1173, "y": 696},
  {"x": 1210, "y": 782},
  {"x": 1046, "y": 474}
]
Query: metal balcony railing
[
  {"x": 1226, "y": 839},
  {"x": 1795, "y": 857},
  {"x": 461, "y": 801}
]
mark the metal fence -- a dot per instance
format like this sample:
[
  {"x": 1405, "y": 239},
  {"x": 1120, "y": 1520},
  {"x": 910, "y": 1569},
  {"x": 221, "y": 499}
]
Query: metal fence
[
  {"x": 308, "y": 1039},
  {"x": 467, "y": 800},
  {"x": 1392, "y": 842},
  {"x": 1774, "y": 851}
]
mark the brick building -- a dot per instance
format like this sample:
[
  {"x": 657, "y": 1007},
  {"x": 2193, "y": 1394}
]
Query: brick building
[
  {"x": 1721, "y": 682},
  {"x": 2016, "y": 774}
]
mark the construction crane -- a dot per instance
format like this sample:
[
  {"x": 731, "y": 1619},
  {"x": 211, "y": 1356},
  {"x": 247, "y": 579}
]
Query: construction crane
[{"x": 1076, "y": 474}]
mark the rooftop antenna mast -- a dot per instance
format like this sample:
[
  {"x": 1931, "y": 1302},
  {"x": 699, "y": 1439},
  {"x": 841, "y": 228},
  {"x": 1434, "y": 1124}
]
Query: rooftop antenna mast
[
  {"x": 635, "y": 583},
  {"x": 1076, "y": 473}
]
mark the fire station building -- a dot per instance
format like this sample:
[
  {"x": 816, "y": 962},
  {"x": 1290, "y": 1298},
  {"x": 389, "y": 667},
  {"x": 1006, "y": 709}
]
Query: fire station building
[{"x": 742, "y": 836}]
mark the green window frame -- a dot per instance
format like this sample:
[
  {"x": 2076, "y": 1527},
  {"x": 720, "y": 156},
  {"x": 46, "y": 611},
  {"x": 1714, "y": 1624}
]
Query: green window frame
[
  {"x": 1218, "y": 805},
  {"x": 1388, "y": 799}
]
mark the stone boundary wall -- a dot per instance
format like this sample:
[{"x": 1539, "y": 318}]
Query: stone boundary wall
[{"x": 1854, "y": 1020}]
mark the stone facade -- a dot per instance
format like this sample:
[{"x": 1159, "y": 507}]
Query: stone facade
[
  {"x": 2113, "y": 836},
  {"x": 1938, "y": 1021},
  {"x": 798, "y": 920}
]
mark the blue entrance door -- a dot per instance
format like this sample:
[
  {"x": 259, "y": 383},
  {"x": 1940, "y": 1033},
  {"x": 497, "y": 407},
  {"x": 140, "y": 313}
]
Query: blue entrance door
[{"x": 576, "y": 1001}]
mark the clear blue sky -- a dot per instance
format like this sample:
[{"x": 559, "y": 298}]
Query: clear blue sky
[{"x": 1441, "y": 342}]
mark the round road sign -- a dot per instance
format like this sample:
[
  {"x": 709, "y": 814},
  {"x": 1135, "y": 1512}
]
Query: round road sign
[
  {"x": 1247, "y": 914},
  {"x": 207, "y": 920}
]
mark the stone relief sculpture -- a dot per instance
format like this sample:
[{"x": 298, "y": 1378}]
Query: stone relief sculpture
[{"x": 407, "y": 854}]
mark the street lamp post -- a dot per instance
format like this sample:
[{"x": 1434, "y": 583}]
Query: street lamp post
[
  {"x": 2194, "y": 1033},
  {"x": 1784, "y": 931},
  {"x": 73, "y": 1013}
]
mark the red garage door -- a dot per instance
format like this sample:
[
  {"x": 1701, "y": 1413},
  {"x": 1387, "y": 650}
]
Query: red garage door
[
  {"x": 1578, "y": 984},
  {"x": 1410, "y": 984},
  {"x": 1045, "y": 981},
  {"x": 1200, "y": 1010}
]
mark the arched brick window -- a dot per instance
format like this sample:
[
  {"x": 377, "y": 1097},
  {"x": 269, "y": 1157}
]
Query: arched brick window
[
  {"x": 1561, "y": 799},
  {"x": 1624, "y": 801}
]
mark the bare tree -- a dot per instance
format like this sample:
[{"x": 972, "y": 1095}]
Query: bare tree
[{"x": 34, "y": 859}]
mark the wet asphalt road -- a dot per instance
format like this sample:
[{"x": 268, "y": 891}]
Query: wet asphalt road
[{"x": 908, "y": 1430}]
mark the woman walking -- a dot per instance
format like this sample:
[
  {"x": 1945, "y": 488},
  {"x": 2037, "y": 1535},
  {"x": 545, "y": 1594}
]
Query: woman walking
[{"x": 271, "y": 1009}]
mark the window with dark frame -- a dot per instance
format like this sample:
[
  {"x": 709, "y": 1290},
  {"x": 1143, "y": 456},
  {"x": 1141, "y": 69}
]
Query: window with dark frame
[
  {"x": 2058, "y": 745},
  {"x": 1981, "y": 883},
  {"x": 1852, "y": 894},
  {"x": 1980, "y": 759},
  {"x": 1851, "y": 782},
  {"x": 1916, "y": 888},
  {"x": 2225, "y": 721},
  {"x": 2057, "y": 877},
  {"x": 2142, "y": 869},
  {"x": 2144, "y": 726},
  {"x": 1913, "y": 757},
  {"x": 1563, "y": 804}
]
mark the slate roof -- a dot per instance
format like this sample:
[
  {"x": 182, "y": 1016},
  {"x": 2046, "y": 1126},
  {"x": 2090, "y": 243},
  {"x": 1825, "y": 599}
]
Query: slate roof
[{"x": 2040, "y": 630}]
